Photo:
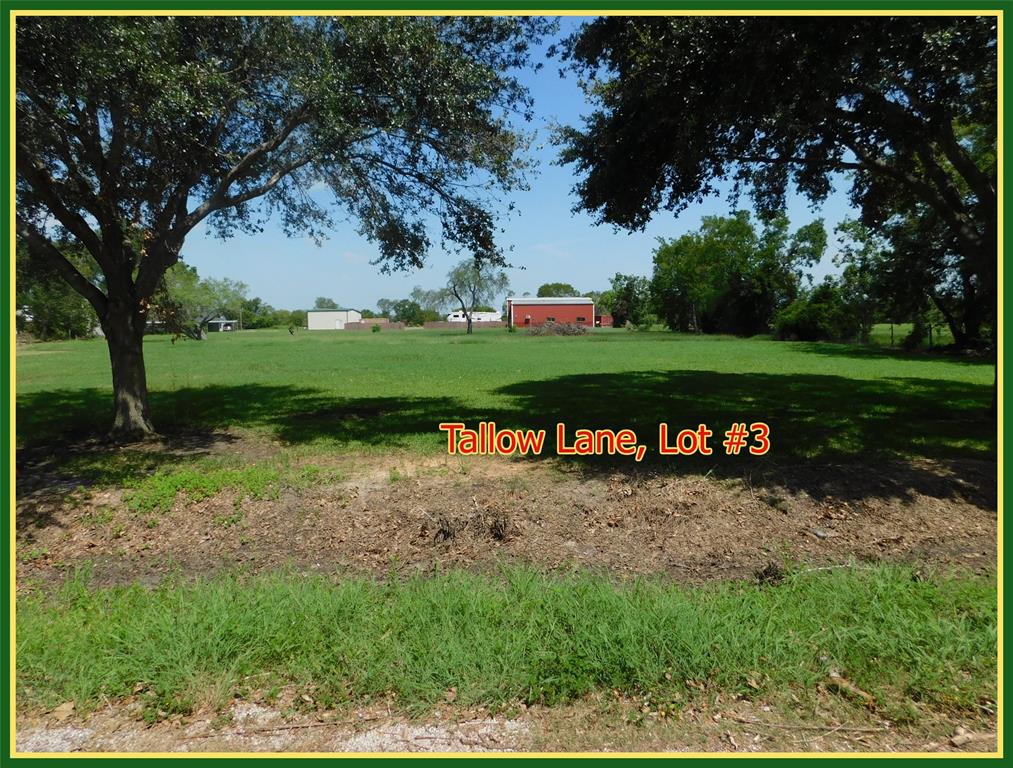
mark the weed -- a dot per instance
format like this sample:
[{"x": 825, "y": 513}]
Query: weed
[
  {"x": 196, "y": 482},
  {"x": 227, "y": 521},
  {"x": 99, "y": 516},
  {"x": 33, "y": 554}
]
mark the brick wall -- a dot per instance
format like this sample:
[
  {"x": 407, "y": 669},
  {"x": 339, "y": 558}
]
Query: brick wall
[
  {"x": 367, "y": 325},
  {"x": 443, "y": 324}
]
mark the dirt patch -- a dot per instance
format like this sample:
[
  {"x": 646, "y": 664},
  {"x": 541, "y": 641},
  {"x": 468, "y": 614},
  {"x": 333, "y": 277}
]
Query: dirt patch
[
  {"x": 406, "y": 514},
  {"x": 600, "y": 725}
]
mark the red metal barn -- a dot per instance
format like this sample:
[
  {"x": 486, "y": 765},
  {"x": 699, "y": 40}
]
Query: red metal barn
[{"x": 526, "y": 311}]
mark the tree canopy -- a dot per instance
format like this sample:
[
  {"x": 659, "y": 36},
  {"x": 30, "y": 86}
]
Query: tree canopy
[
  {"x": 628, "y": 300},
  {"x": 556, "y": 289},
  {"x": 906, "y": 106},
  {"x": 131, "y": 131},
  {"x": 727, "y": 277},
  {"x": 186, "y": 303},
  {"x": 407, "y": 311}
]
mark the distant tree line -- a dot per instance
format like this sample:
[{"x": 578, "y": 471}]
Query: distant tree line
[
  {"x": 737, "y": 276},
  {"x": 49, "y": 309}
]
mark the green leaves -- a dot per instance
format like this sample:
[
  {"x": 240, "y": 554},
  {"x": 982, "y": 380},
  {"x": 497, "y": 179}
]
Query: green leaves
[
  {"x": 472, "y": 283},
  {"x": 186, "y": 302},
  {"x": 906, "y": 106},
  {"x": 729, "y": 278},
  {"x": 159, "y": 123}
]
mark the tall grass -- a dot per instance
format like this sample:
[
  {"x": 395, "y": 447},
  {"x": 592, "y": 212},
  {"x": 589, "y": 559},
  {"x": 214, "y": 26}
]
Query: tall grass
[{"x": 518, "y": 635}]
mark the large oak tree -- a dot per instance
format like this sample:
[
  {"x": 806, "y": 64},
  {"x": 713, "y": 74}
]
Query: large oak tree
[
  {"x": 905, "y": 105},
  {"x": 131, "y": 132}
]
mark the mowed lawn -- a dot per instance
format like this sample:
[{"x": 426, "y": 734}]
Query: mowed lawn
[{"x": 391, "y": 389}]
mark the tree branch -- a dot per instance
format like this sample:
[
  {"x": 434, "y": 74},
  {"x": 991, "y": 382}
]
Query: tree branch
[
  {"x": 216, "y": 202},
  {"x": 836, "y": 165},
  {"x": 961, "y": 227},
  {"x": 45, "y": 249},
  {"x": 976, "y": 179},
  {"x": 239, "y": 169},
  {"x": 43, "y": 185}
]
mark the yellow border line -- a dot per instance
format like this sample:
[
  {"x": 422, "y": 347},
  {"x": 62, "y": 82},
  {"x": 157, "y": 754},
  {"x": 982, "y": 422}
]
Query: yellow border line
[
  {"x": 12, "y": 384},
  {"x": 999, "y": 383},
  {"x": 998, "y": 754}
]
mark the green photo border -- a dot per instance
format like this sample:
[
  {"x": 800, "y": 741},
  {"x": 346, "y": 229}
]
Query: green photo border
[{"x": 591, "y": 7}]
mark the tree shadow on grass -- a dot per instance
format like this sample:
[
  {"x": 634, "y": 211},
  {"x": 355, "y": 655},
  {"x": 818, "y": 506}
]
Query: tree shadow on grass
[
  {"x": 872, "y": 352},
  {"x": 290, "y": 414},
  {"x": 828, "y": 418},
  {"x": 829, "y": 435},
  {"x": 822, "y": 428}
]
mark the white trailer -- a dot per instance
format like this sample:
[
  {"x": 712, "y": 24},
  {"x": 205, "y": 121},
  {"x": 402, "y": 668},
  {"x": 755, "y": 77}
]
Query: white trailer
[{"x": 476, "y": 317}]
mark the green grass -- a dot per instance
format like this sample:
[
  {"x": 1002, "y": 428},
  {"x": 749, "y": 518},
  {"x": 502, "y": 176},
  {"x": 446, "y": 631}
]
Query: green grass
[
  {"x": 364, "y": 391},
  {"x": 153, "y": 481},
  {"x": 158, "y": 492},
  {"x": 517, "y": 635}
]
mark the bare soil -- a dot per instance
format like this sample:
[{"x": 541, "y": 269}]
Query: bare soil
[
  {"x": 405, "y": 513},
  {"x": 595, "y": 725}
]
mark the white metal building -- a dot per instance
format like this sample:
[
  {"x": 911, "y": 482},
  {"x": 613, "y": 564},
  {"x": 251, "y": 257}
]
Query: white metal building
[{"x": 331, "y": 319}]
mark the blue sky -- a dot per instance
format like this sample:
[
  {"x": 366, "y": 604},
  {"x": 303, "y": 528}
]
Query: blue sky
[{"x": 549, "y": 241}]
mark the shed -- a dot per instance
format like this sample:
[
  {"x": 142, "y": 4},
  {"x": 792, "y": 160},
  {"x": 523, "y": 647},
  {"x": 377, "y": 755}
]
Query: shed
[
  {"x": 222, "y": 324},
  {"x": 526, "y": 311}
]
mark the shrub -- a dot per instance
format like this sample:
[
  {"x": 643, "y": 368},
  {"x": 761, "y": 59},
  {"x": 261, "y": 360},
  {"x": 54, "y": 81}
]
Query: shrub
[
  {"x": 823, "y": 315},
  {"x": 376, "y": 328},
  {"x": 647, "y": 321}
]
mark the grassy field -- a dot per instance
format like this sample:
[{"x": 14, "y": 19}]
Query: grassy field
[
  {"x": 518, "y": 637},
  {"x": 390, "y": 390}
]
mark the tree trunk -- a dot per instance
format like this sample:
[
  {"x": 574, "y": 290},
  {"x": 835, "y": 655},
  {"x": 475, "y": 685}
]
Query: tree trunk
[
  {"x": 469, "y": 323},
  {"x": 956, "y": 329},
  {"x": 123, "y": 326}
]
